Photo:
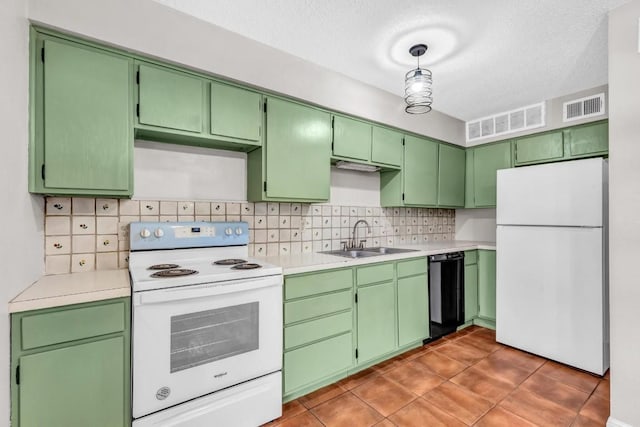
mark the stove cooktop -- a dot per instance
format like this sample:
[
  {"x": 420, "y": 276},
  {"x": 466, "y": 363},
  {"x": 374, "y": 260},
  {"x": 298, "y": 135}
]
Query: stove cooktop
[{"x": 200, "y": 260}]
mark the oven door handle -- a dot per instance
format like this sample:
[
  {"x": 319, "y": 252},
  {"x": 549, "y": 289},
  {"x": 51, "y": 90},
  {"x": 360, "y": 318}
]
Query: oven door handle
[{"x": 204, "y": 290}]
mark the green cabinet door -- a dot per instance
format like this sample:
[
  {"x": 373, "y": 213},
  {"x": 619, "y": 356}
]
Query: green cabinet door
[
  {"x": 589, "y": 139},
  {"x": 420, "y": 172},
  {"x": 376, "y": 321},
  {"x": 86, "y": 127},
  {"x": 235, "y": 113},
  {"x": 80, "y": 385},
  {"x": 413, "y": 309},
  {"x": 539, "y": 148},
  {"x": 298, "y": 149},
  {"x": 487, "y": 284},
  {"x": 170, "y": 99},
  {"x": 351, "y": 138},
  {"x": 488, "y": 159},
  {"x": 451, "y": 176},
  {"x": 386, "y": 147},
  {"x": 470, "y": 292},
  {"x": 469, "y": 185}
]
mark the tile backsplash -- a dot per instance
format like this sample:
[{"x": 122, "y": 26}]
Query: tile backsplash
[{"x": 83, "y": 234}]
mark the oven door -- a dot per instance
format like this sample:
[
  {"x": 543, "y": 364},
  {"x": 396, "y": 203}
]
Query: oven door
[{"x": 194, "y": 340}]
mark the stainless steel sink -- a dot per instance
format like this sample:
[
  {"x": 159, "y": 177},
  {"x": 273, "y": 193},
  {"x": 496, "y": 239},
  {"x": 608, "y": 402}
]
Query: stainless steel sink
[
  {"x": 352, "y": 253},
  {"x": 386, "y": 251},
  {"x": 367, "y": 252}
]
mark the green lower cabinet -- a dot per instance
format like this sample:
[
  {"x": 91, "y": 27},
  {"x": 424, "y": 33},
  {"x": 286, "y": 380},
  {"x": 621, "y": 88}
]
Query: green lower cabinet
[
  {"x": 470, "y": 292},
  {"x": 413, "y": 309},
  {"x": 80, "y": 374},
  {"x": 487, "y": 284},
  {"x": 80, "y": 385},
  {"x": 310, "y": 364},
  {"x": 376, "y": 321}
]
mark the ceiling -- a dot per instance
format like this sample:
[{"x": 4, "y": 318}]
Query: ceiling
[{"x": 486, "y": 56}]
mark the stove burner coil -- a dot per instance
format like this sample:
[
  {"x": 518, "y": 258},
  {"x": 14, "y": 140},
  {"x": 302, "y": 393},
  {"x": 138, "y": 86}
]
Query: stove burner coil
[
  {"x": 163, "y": 266},
  {"x": 246, "y": 266},
  {"x": 230, "y": 261},
  {"x": 176, "y": 272}
]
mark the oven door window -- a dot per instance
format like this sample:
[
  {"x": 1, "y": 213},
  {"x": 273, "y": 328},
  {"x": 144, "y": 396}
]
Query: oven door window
[{"x": 207, "y": 336}]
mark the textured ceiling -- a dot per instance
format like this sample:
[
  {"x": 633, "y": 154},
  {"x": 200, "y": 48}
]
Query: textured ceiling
[{"x": 486, "y": 56}]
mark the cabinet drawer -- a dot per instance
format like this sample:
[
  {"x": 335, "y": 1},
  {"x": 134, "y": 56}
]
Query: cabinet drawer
[
  {"x": 314, "y": 330},
  {"x": 470, "y": 257},
  {"x": 312, "y": 363},
  {"x": 296, "y": 311},
  {"x": 374, "y": 274},
  {"x": 412, "y": 267},
  {"x": 317, "y": 283},
  {"x": 55, "y": 327}
]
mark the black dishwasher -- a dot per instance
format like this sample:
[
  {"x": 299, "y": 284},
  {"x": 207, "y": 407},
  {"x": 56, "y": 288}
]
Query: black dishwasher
[{"x": 446, "y": 293}]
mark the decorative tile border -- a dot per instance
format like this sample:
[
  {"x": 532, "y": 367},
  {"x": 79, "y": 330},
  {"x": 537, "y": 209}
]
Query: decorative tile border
[{"x": 83, "y": 234}]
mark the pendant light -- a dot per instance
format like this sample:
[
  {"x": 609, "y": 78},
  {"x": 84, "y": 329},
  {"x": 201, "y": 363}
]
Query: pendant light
[{"x": 417, "y": 85}]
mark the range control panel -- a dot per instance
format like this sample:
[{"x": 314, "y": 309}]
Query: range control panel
[{"x": 174, "y": 235}]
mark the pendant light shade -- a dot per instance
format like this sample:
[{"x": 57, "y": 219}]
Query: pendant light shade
[{"x": 417, "y": 85}]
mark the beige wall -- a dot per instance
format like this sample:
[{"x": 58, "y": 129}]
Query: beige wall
[
  {"x": 21, "y": 247},
  {"x": 151, "y": 28},
  {"x": 624, "y": 205}
]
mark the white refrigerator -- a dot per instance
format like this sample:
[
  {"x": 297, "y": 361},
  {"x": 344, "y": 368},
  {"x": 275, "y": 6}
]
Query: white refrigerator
[{"x": 551, "y": 262}]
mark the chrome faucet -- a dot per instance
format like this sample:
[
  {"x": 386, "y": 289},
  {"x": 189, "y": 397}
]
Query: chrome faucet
[{"x": 353, "y": 235}]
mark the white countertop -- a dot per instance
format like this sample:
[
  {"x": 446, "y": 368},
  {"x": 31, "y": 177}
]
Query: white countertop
[
  {"x": 304, "y": 263},
  {"x": 74, "y": 288}
]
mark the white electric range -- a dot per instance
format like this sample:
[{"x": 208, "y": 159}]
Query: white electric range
[{"x": 207, "y": 327}]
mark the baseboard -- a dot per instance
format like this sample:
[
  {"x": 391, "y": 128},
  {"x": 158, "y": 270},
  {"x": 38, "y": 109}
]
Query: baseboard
[{"x": 612, "y": 422}]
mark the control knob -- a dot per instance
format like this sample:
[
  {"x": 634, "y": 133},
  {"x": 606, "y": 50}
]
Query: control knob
[
  {"x": 239, "y": 231},
  {"x": 145, "y": 232},
  {"x": 158, "y": 233},
  {"x": 228, "y": 231}
]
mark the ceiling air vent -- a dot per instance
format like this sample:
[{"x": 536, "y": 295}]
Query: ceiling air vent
[
  {"x": 583, "y": 108},
  {"x": 529, "y": 117}
]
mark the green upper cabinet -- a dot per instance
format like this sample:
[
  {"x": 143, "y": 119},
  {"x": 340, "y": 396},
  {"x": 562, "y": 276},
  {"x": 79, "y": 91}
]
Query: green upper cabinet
[
  {"x": 351, "y": 138},
  {"x": 487, "y": 160},
  {"x": 469, "y": 175},
  {"x": 236, "y": 114},
  {"x": 386, "y": 147},
  {"x": 589, "y": 139},
  {"x": 294, "y": 162},
  {"x": 170, "y": 99},
  {"x": 83, "y": 139},
  {"x": 451, "y": 176},
  {"x": 420, "y": 172},
  {"x": 539, "y": 148}
]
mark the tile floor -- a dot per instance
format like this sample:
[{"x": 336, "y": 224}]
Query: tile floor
[{"x": 465, "y": 379}]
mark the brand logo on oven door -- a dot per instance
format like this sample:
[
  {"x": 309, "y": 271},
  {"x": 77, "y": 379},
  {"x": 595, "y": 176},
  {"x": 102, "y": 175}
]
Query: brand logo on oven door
[
  {"x": 163, "y": 393},
  {"x": 220, "y": 375}
]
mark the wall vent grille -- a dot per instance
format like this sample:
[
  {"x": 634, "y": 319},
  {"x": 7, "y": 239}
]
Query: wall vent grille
[
  {"x": 583, "y": 108},
  {"x": 529, "y": 117}
]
